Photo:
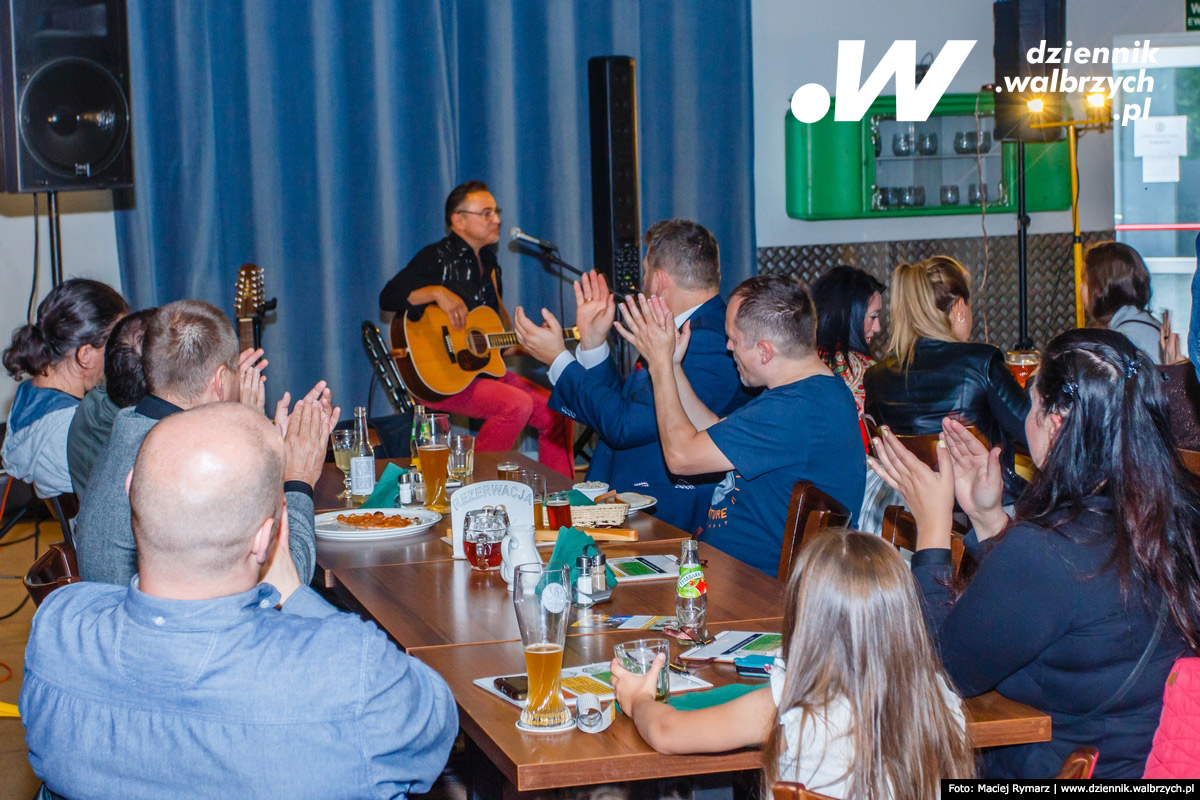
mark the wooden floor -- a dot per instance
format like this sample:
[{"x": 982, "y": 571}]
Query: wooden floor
[{"x": 18, "y": 782}]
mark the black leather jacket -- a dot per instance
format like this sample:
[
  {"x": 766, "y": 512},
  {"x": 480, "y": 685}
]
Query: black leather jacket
[
  {"x": 449, "y": 262},
  {"x": 963, "y": 379}
]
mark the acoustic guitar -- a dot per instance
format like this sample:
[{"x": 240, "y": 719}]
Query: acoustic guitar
[
  {"x": 437, "y": 361},
  {"x": 250, "y": 307}
]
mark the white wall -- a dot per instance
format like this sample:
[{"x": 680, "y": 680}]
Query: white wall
[
  {"x": 796, "y": 43},
  {"x": 89, "y": 248}
]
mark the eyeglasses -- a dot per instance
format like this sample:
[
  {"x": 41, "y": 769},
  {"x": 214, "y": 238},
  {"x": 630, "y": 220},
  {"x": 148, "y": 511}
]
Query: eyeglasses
[{"x": 486, "y": 213}]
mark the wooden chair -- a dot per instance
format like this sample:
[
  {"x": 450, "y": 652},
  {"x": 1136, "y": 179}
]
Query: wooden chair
[
  {"x": 54, "y": 568},
  {"x": 64, "y": 507},
  {"x": 809, "y": 511},
  {"x": 795, "y": 791},
  {"x": 900, "y": 528},
  {"x": 1191, "y": 460},
  {"x": 1079, "y": 765}
]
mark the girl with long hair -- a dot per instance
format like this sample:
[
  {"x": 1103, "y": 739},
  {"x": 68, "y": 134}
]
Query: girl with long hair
[
  {"x": 63, "y": 355},
  {"x": 858, "y": 705},
  {"x": 849, "y": 302},
  {"x": 933, "y": 370},
  {"x": 1083, "y": 600},
  {"x": 1116, "y": 294}
]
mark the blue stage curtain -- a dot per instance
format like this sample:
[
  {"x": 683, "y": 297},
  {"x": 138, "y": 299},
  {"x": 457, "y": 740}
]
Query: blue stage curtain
[{"x": 319, "y": 140}]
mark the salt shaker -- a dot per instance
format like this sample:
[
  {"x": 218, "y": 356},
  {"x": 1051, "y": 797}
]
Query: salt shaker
[{"x": 404, "y": 494}]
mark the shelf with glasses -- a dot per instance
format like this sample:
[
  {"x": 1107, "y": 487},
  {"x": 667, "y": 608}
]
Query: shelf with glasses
[{"x": 880, "y": 166}]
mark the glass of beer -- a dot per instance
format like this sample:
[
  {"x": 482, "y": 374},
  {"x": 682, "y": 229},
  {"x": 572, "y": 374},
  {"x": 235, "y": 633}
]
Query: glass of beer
[
  {"x": 507, "y": 471},
  {"x": 462, "y": 458},
  {"x": 558, "y": 510},
  {"x": 434, "y": 449},
  {"x": 638, "y": 657},
  {"x": 341, "y": 442},
  {"x": 542, "y": 599},
  {"x": 1022, "y": 363}
]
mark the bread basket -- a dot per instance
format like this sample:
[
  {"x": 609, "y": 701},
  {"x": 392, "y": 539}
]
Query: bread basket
[{"x": 607, "y": 511}]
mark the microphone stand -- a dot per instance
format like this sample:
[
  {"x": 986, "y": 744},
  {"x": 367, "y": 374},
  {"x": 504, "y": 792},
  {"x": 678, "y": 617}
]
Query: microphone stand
[{"x": 550, "y": 254}]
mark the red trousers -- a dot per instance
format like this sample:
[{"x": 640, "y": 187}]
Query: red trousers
[{"x": 506, "y": 405}]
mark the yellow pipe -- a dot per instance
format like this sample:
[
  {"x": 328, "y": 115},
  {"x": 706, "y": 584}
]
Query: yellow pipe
[{"x": 1076, "y": 242}]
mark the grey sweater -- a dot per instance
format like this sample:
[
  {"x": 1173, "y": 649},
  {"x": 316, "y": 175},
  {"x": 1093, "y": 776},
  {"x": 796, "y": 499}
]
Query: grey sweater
[{"x": 104, "y": 542}]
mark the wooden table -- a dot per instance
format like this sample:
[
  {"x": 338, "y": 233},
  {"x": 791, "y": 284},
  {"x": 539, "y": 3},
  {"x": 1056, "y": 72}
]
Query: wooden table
[
  {"x": 428, "y": 546},
  {"x": 449, "y": 603},
  {"x": 533, "y": 761}
]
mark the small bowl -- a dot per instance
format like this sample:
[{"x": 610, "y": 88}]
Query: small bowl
[{"x": 591, "y": 489}]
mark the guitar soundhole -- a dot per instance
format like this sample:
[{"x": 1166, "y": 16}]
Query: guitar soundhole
[{"x": 477, "y": 342}]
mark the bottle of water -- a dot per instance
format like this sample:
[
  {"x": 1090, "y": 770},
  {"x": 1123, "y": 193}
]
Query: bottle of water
[
  {"x": 691, "y": 593},
  {"x": 362, "y": 459}
]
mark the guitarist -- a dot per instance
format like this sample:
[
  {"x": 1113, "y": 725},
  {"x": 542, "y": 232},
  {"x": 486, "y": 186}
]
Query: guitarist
[{"x": 458, "y": 273}]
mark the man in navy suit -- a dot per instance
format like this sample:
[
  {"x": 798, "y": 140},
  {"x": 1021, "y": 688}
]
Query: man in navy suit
[{"x": 682, "y": 267}]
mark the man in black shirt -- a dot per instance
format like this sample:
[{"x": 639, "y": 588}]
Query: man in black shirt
[{"x": 459, "y": 273}]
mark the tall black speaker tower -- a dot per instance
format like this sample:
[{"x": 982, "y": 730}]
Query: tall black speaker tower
[
  {"x": 1019, "y": 26},
  {"x": 64, "y": 114},
  {"x": 616, "y": 210}
]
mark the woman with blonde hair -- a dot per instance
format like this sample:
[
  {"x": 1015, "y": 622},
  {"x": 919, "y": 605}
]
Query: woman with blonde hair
[
  {"x": 858, "y": 705},
  {"x": 933, "y": 370}
]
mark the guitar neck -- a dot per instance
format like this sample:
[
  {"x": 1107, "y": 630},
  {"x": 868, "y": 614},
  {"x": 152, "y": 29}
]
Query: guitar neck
[
  {"x": 248, "y": 333},
  {"x": 496, "y": 341}
]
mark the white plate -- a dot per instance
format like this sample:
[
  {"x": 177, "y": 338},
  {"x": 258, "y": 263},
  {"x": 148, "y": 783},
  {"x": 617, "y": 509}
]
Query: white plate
[
  {"x": 328, "y": 527},
  {"x": 636, "y": 500}
]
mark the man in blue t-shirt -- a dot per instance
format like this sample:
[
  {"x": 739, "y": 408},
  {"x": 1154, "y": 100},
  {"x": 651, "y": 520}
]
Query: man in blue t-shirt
[{"x": 803, "y": 427}]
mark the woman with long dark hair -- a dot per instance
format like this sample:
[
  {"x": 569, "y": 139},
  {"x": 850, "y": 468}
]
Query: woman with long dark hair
[
  {"x": 1084, "y": 599},
  {"x": 849, "y": 303},
  {"x": 1116, "y": 294},
  {"x": 63, "y": 355}
]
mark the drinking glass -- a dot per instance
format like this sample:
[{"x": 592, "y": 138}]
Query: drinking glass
[
  {"x": 638, "y": 657},
  {"x": 927, "y": 144},
  {"x": 949, "y": 195},
  {"x": 977, "y": 194},
  {"x": 558, "y": 511},
  {"x": 462, "y": 458},
  {"x": 542, "y": 599},
  {"x": 1022, "y": 363},
  {"x": 507, "y": 471},
  {"x": 434, "y": 448},
  {"x": 902, "y": 144},
  {"x": 537, "y": 482},
  {"x": 341, "y": 442}
]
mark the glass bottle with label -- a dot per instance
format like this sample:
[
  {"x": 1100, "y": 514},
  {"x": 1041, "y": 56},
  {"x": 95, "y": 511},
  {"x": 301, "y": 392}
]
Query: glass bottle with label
[
  {"x": 691, "y": 593},
  {"x": 362, "y": 459},
  {"x": 417, "y": 418}
]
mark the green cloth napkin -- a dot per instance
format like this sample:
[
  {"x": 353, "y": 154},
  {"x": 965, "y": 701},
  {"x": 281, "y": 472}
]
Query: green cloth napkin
[
  {"x": 578, "y": 498},
  {"x": 573, "y": 543},
  {"x": 386, "y": 488},
  {"x": 694, "y": 701}
]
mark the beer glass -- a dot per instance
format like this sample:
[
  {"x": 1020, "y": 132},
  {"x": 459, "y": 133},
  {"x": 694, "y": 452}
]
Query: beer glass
[
  {"x": 1022, "y": 363},
  {"x": 542, "y": 599},
  {"x": 462, "y": 458},
  {"x": 434, "y": 449},
  {"x": 342, "y": 441},
  {"x": 638, "y": 657}
]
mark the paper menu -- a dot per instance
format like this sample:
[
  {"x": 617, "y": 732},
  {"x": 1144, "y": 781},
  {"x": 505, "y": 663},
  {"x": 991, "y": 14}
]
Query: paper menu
[
  {"x": 624, "y": 622},
  {"x": 729, "y": 645},
  {"x": 644, "y": 568}
]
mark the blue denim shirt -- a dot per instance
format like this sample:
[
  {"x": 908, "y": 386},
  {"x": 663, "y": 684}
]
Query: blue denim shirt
[{"x": 132, "y": 696}]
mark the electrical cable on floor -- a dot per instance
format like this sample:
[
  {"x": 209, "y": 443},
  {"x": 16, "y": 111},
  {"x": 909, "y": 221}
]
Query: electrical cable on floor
[
  {"x": 10, "y": 673},
  {"x": 14, "y": 612},
  {"x": 36, "y": 244}
]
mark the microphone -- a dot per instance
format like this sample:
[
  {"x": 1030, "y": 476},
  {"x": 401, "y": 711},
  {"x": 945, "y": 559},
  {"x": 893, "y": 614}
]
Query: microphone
[{"x": 517, "y": 234}]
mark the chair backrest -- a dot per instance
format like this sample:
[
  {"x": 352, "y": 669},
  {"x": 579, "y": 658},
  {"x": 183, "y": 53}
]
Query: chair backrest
[
  {"x": 1079, "y": 765},
  {"x": 64, "y": 507},
  {"x": 810, "y": 511},
  {"x": 784, "y": 790},
  {"x": 900, "y": 528},
  {"x": 924, "y": 445},
  {"x": 380, "y": 356},
  {"x": 1191, "y": 460},
  {"x": 54, "y": 568}
]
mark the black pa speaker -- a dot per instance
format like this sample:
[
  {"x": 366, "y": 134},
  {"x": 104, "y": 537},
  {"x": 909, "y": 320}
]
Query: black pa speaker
[
  {"x": 65, "y": 81},
  {"x": 616, "y": 210},
  {"x": 1022, "y": 25}
]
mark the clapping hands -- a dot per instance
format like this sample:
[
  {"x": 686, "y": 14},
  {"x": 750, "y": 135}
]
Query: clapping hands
[
  {"x": 595, "y": 310},
  {"x": 649, "y": 325}
]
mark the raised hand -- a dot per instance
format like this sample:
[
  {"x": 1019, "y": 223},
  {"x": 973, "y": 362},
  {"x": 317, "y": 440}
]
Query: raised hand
[
  {"x": 595, "y": 309},
  {"x": 319, "y": 394},
  {"x": 544, "y": 342},
  {"x": 252, "y": 383},
  {"x": 978, "y": 479},
  {"x": 1169, "y": 342},
  {"x": 929, "y": 495},
  {"x": 304, "y": 445},
  {"x": 643, "y": 327}
]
